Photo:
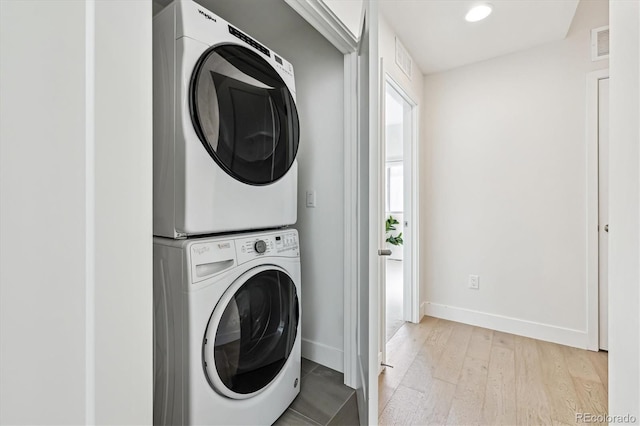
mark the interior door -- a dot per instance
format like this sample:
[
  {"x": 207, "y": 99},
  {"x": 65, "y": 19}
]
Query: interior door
[
  {"x": 603, "y": 211},
  {"x": 370, "y": 225},
  {"x": 382, "y": 213}
]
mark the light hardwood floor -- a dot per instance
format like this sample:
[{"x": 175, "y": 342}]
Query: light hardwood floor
[{"x": 447, "y": 373}]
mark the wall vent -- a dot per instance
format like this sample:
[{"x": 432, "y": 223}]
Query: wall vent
[
  {"x": 403, "y": 59},
  {"x": 600, "y": 43}
]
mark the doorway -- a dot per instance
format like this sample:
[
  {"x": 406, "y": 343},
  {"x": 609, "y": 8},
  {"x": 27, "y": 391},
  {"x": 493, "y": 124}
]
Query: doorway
[
  {"x": 399, "y": 291},
  {"x": 598, "y": 208},
  {"x": 603, "y": 213}
]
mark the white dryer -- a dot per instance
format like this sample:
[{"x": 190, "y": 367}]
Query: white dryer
[
  {"x": 225, "y": 127},
  {"x": 226, "y": 328}
]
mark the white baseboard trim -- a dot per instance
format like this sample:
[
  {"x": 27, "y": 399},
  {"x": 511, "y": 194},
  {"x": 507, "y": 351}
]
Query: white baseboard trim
[
  {"x": 423, "y": 309},
  {"x": 361, "y": 396},
  {"x": 535, "y": 330},
  {"x": 323, "y": 354}
]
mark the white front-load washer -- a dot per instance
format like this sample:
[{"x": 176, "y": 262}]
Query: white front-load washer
[
  {"x": 226, "y": 328},
  {"x": 225, "y": 128}
]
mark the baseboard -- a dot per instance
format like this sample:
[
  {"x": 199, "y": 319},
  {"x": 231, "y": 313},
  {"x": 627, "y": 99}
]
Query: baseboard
[
  {"x": 323, "y": 354},
  {"x": 423, "y": 309},
  {"x": 535, "y": 330},
  {"x": 361, "y": 395}
]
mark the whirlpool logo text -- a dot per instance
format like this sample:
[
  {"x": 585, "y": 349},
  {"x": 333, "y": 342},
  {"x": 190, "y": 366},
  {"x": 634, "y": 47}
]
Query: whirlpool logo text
[{"x": 206, "y": 15}]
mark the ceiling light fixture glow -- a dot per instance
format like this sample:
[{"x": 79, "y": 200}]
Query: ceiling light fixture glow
[{"x": 478, "y": 13}]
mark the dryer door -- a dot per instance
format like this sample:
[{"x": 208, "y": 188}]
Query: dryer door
[
  {"x": 251, "y": 332},
  {"x": 244, "y": 114}
]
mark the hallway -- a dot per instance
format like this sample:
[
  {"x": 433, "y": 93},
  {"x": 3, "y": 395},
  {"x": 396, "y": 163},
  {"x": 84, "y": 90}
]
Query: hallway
[
  {"x": 394, "y": 294},
  {"x": 451, "y": 373}
]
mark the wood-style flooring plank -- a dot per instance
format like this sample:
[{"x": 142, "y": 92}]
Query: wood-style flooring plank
[
  {"x": 435, "y": 404},
  {"x": 600, "y": 362},
  {"x": 437, "y": 340},
  {"x": 592, "y": 397},
  {"x": 558, "y": 383},
  {"x": 503, "y": 340},
  {"x": 532, "y": 403},
  {"x": 401, "y": 407},
  {"x": 554, "y": 422},
  {"x": 419, "y": 375},
  {"x": 466, "y": 407},
  {"x": 403, "y": 348},
  {"x": 480, "y": 343},
  {"x": 500, "y": 397},
  {"x": 385, "y": 392},
  {"x": 579, "y": 364},
  {"x": 449, "y": 367}
]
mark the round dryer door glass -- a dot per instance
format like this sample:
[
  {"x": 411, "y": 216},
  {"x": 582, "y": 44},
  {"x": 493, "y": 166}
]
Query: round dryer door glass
[
  {"x": 244, "y": 114},
  {"x": 255, "y": 331}
]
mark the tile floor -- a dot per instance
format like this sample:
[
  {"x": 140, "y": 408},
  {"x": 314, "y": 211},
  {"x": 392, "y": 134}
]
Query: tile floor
[{"x": 323, "y": 399}]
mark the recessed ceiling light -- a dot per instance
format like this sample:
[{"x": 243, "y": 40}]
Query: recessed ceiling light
[{"x": 478, "y": 13}]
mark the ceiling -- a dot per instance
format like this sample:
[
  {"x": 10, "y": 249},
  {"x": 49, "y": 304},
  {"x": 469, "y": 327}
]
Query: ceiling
[{"x": 438, "y": 38}]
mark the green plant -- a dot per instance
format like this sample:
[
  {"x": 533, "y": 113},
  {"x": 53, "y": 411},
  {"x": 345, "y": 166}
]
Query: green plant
[{"x": 389, "y": 225}]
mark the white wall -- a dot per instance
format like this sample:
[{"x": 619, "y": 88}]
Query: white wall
[
  {"x": 75, "y": 213},
  {"x": 624, "y": 257},
  {"x": 504, "y": 188},
  {"x": 42, "y": 212},
  {"x": 123, "y": 212},
  {"x": 387, "y": 49},
  {"x": 319, "y": 71},
  {"x": 321, "y": 161}
]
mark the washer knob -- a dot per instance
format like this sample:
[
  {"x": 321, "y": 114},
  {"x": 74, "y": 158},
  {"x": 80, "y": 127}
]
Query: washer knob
[{"x": 260, "y": 246}]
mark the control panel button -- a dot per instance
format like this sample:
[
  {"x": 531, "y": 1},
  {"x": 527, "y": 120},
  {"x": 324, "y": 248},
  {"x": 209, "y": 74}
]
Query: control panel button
[{"x": 260, "y": 246}]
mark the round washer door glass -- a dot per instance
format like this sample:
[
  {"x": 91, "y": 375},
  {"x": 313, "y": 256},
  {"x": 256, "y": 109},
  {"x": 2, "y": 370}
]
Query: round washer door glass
[
  {"x": 244, "y": 114},
  {"x": 255, "y": 334}
]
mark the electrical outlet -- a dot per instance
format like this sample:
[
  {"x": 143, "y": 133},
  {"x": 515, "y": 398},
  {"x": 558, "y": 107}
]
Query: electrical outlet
[{"x": 474, "y": 282}]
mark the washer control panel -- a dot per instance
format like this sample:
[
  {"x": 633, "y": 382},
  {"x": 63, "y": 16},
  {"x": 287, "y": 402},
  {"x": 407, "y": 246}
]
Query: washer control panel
[
  {"x": 286, "y": 242},
  {"x": 260, "y": 246},
  {"x": 280, "y": 244}
]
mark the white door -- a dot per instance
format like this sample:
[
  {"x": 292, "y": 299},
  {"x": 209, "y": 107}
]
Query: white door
[
  {"x": 603, "y": 209},
  {"x": 370, "y": 226},
  {"x": 397, "y": 283},
  {"x": 381, "y": 214}
]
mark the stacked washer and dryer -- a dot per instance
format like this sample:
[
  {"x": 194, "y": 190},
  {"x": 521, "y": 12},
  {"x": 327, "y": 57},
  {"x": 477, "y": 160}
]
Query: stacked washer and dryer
[{"x": 226, "y": 266}]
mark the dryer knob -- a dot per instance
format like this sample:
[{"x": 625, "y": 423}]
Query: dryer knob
[{"x": 260, "y": 246}]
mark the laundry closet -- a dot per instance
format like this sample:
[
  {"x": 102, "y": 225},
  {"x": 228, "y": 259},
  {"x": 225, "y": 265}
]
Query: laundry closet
[{"x": 319, "y": 90}]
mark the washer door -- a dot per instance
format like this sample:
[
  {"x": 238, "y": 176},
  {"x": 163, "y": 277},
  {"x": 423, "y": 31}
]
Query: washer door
[
  {"x": 251, "y": 332},
  {"x": 244, "y": 114}
]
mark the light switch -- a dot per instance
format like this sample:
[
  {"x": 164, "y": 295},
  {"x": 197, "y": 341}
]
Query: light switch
[{"x": 311, "y": 198}]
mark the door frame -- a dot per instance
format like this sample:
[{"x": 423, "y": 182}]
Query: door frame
[
  {"x": 322, "y": 18},
  {"x": 411, "y": 307},
  {"x": 593, "y": 245},
  {"x": 410, "y": 285},
  {"x": 351, "y": 368}
]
